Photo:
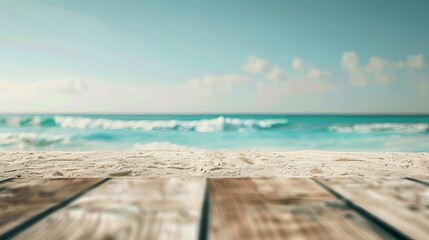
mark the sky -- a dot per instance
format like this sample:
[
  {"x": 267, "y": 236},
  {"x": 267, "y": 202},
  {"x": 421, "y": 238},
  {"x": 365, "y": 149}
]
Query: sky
[{"x": 241, "y": 56}]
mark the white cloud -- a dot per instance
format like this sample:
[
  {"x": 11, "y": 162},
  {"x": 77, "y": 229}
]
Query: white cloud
[
  {"x": 376, "y": 64},
  {"x": 315, "y": 73},
  {"x": 415, "y": 61},
  {"x": 312, "y": 72},
  {"x": 276, "y": 73},
  {"x": 307, "y": 79},
  {"x": 350, "y": 63},
  {"x": 71, "y": 86},
  {"x": 310, "y": 80},
  {"x": 255, "y": 65},
  {"x": 68, "y": 95},
  {"x": 297, "y": 64},
  {"x": 68, "y": 86},
  {"x": 423, "y": 88},
  {"x": 212, "y": 83},
  {"x": 378, "y": 69},
  {"x": 210, "y": 80},
  {"x": 295, "y": 87},
  {"x": 11, "y": 89},
  {"x": 384, "y": 79}
]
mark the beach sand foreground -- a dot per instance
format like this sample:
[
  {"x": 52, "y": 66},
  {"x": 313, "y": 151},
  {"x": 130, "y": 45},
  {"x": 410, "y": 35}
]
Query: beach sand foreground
[{"x": 213, "y": 164}]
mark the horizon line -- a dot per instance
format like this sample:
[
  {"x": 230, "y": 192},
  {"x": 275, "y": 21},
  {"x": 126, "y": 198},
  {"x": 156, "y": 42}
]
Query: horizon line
[{"x": 218, "y": 113}]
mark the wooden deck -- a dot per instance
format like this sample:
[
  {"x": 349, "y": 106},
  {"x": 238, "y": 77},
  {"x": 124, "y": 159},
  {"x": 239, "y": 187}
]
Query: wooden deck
[{"x": 193, "y": 208}]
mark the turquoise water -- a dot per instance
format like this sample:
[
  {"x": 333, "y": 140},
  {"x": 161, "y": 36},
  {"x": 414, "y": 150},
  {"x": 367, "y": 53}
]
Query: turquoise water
[{"x": 214, "y": 132}]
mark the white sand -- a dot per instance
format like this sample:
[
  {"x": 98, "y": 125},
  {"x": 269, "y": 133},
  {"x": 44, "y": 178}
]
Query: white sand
[{"x": 213, "y": 164}]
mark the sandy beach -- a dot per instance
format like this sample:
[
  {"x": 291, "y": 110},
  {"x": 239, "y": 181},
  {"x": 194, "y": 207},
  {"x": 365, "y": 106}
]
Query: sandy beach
[{"x": 213, "y": 164}]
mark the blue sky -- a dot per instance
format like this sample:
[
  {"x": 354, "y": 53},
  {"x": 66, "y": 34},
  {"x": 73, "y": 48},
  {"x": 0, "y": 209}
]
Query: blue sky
[{"x": 214, "y": 56}]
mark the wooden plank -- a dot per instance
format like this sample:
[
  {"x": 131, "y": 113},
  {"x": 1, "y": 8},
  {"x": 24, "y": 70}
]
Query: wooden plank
[
  {"x": 128, "y": 209},
  {"x": 22, "y": 200},
  {"x": 400, "y": 203},
  {"x": 282, "y": 208}
]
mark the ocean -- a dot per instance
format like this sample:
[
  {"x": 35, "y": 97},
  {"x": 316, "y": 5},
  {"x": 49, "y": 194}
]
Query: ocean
[{"x": 213, "y": 132}]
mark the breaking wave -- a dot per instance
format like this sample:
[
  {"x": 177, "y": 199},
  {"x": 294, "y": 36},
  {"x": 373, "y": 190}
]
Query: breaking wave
[
  {"x": 203, "y": 125},
  {"x": 381, "y": 128},
  {"x": 31, "y": 139},
  {"x": 27, "y": 121}
]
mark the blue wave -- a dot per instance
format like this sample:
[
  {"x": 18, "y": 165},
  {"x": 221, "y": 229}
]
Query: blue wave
[
  {"x": 126, "y": 132},
  {"x": 202, "y": 125}
]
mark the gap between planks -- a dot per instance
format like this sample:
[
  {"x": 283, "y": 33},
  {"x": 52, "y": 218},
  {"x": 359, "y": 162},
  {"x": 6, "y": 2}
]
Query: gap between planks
[
  {"x": 3, "y": 180},
  {"x": 204, "y": 224},
  {"x": 368, "y": 215},
  {"x": 423, "y": 181}
]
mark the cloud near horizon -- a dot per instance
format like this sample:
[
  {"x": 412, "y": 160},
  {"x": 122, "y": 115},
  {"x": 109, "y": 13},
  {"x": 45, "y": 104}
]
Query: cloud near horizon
[
  {"x": 68, "y": 86},
  {"x": 259, "y": 81},
  {"x": 210, "y": 83},
  {"x": 263, "y": 76},
  {"x": 17, "y": 89},
  {"x": 269, "y": 79},
  {"x": 312, "y": 72},
  {"x": 255, "y": 65},
  {"x": 67, "y": 95},
  {"x": 276, "y": 74},
  {"x": 378, "y": 69}
]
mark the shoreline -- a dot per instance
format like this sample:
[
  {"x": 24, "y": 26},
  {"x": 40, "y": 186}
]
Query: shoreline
[{"x": 173, "y": 163}]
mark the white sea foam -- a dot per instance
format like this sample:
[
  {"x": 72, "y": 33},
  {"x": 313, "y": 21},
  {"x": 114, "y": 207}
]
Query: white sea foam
[
  {"x": 161, "y": 146},
  {"x": 203, "y": 125},
  {"x": 31, "y": 139},
  {"x": 381, "y": 127}
]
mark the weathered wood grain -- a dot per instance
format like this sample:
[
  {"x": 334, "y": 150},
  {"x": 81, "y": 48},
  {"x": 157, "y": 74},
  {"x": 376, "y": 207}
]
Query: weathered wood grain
[
  {"x": 400, "y": 203},
  {"x": 128, "y": 209},
  {"x": 282, "y": 208},
  {"x": 23, "y": 199}
]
